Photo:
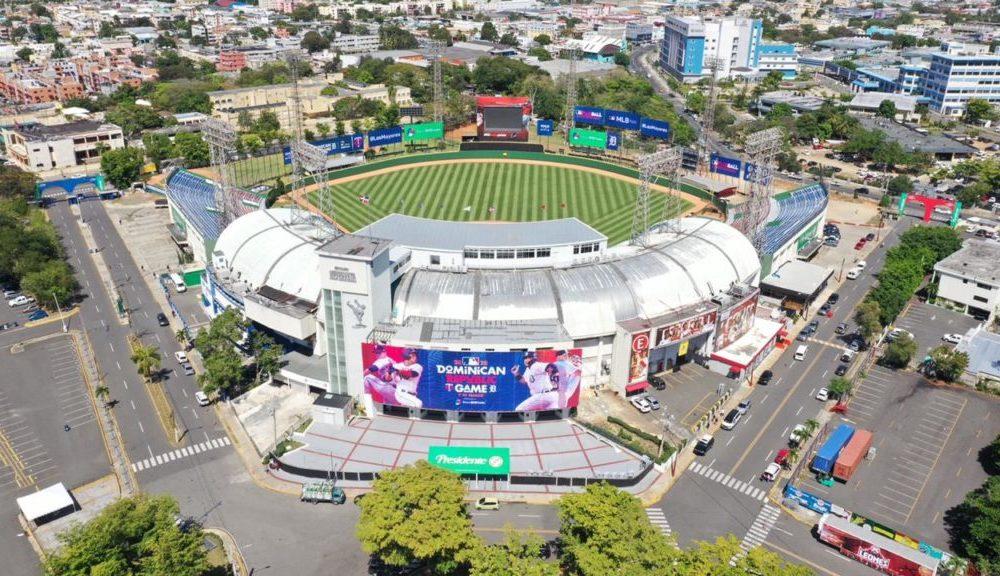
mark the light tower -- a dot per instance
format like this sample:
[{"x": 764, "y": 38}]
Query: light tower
[
  {"x": 708, "y": 116},
  {"x": 761, "y": 148},
  {"x": 221, "y": 139},
  {"x": 571, "y": 78},
  {"x": 665, "y": 161},
  {"x": 436, "y": 48}
]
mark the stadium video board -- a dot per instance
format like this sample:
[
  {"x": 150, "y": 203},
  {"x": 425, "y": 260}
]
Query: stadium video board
[
  {"x": 423, "y": 131},
  {"x": 472, "y": 381}
]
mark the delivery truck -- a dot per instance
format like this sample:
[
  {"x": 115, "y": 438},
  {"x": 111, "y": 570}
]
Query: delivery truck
[
  {"x": 874, "y": 550},
  {"x": 830, "y": 450},
  {"x": 852, "y": 454}
]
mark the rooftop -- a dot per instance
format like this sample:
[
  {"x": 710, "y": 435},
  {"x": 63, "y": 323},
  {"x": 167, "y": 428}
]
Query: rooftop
[
  {"x": 976, "y": 260},
  {"x": 355, "y": 245},
  {"x": 799, "y": 103},
  {"x": 913, "y": 141},
  {"x": 798, "y": 277},
  {"x": 872, "y": 100},
  {"x": 41, "y": 132},
  {"x": 484, "y": 332},
  {"x": 983, "y": 348}
]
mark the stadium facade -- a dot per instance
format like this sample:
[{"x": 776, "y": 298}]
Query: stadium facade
[{"x": 411, "y": 315}]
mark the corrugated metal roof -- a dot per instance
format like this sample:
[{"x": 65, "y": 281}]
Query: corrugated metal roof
[{"x": 447, "y": 235}]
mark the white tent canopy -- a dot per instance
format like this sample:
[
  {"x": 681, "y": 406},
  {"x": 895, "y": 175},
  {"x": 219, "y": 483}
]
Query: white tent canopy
[{"x": 45, "y": 502}]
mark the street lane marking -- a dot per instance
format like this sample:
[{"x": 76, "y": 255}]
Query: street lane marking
[
  {"x": 729, "y": 481},
  {"x": 179, "y": 454},
  {"x": 658, "y": 519}
]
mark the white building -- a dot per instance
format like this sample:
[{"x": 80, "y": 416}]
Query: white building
[
  {"x": 970, "y": 279},
  {"x": 690, "y": 42},
  {"x": 37, "y": 148},
  {"x": 355, "y": 43}
]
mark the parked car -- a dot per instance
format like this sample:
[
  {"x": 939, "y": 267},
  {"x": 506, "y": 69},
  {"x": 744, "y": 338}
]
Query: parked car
[
  {"x": 19, "y": 301},
  {"x": 862, "y": 190},
  {"x": 847, "y": 356},
  {"x": 896, "y": 333},
  {"x": 822, "y": 394},
  {"x": 653, "y": 402},
  {"x": 38, "y": 315},
  {"x": 853, "y": 273},
  {"x": 795, "y": 437},
  {"x": 841, "y": 370},
  {"x": 731, "y": 419},
  {"x": 859, "y": 244},
  {"x": 841, "y": 328},
  {"x": 161, "y": 319},
  {"x": 765, "y": 377},
  {"x": 487, "y": 503},
  {"x": 832, "y": 241},
  {"x": 187, "y": 369},
  {"x": 870, "y": 236},
  {"x": 744, "y": 406},
  {"x": 952, "y": 338},
  {"x": 8, "y": 326},
  {"x": 641, "y": 404},
  {"x": 10, "y": 294},
  {"x": 657, "y": 382},
  {"x": 202, "y": 398},
  {"x": 181, "y": 357},
  {"x": 704, "y": 444},
  {"x": 824, "y": 309},
  {"x": 861, "y": 265},
  {"x": 833, "y": 299}
]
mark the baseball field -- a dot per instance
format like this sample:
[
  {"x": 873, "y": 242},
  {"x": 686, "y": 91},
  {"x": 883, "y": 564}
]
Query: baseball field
[{"x": 495, "y": 191}]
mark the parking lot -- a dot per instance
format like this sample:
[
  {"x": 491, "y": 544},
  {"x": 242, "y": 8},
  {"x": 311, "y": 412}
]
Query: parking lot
[
  {"x": 928, "y": 323},
  {"x": 691, "y": 392}
]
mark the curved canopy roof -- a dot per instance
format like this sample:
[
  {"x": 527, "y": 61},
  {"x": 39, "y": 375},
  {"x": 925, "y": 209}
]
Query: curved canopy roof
[{"x": 686, "y": 264}]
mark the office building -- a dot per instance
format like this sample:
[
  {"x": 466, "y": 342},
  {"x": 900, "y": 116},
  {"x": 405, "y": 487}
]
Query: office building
[
  {"x": 37, "y": 148},
  {"x": 959, "y": 74},
  {"x": 689, "y": 42}
]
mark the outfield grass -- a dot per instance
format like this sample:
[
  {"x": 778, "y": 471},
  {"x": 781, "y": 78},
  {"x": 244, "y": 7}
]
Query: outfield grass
[{"x": 517, "y": 192}]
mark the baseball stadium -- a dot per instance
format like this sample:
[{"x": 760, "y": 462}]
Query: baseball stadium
[{"x": 486, "y": 288}]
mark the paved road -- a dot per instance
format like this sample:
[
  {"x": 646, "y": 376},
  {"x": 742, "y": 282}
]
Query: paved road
[{"x": 719, "y": 495}]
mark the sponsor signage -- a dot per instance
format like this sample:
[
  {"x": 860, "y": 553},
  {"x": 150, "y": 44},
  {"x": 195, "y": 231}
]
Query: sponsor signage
[
  {"x": 725, "y": 166},
  {"x": 654, "y": 128},
  {"x": 613, "y": 140},
  {"x": 545, "y": 127},
  {"x": 621, "y": 119},
  {"x": 472, "y": 381},
  {"x": 750, "y": 173},
  {"x": 870, "y": 550},
  {"x": 588, "y": 115},
  {"x": 335, "y": 145},
  {"x": 901, "y": 207},
  {"x": 471, "y": 459},
  {"x": 954, "y": 215},
  {"x": 638, "y": 366},
  {"x": 385, "y": 136},
  {"x": 423, "y": 131},
  {"x": 686, "y": 329},
  {"x": 810, "y": 501},
  {"x": 587, "y": 138},
  {"x": 735, "y": 322}
]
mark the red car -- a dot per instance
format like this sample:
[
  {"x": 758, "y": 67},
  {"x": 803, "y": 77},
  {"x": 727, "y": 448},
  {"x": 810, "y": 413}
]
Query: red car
[{"x": 860, "y": 244}]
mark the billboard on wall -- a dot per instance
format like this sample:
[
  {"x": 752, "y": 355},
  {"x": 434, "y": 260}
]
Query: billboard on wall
[
  {"x": 423, "y": 131},
  {"x": 725, "y": 166},
  {"x": 654, "y": 128},
  {"x": 333, "y": 145},
  {"x": 385, "y": 136},
  {"x": 588, "y": 115},
  {"x": 686, "y": 329},
  {"x": 587, "y": 138},
  {"x": 735, "y": 321},
  {"x": 545, "y": 127},
  {"x": 621, "y": 119},
  {"x": 472, "y": 381},
  {"x": 638, "y": 366},
  {"x": 484, "y": 460}
]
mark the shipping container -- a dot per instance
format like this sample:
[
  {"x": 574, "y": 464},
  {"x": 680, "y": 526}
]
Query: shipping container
[
  {"x": 827, "y": 455},
  {"x": 852, "y": 454},
  {"x": 874, "y": 550}
]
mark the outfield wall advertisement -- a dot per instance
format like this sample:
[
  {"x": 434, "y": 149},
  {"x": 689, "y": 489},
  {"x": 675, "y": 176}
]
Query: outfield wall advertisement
[
  {"x": 423, "y": 131},
  {"x": 472, "y": 381}
]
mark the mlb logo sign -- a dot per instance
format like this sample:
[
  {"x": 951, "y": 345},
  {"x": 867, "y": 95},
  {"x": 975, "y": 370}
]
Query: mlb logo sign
[
  {"x": 472, "y": 361},
  {"x": 358, "y": 141},
  {"x": 725, "y": 166}
]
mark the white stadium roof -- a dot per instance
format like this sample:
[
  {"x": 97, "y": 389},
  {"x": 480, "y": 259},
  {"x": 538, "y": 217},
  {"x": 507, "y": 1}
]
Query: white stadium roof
[
  {"x": 426, "y": 233},
  {"x": 700, "y": 258},
  {"x": 273, "y": 248}
]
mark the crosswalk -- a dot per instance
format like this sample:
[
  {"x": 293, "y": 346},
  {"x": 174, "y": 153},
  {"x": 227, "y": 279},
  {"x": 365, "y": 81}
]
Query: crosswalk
[
  {"x": 728, "y": 481},
  {"x": 205, "y": 446},
  {"x": 657, "y": 518},
  {"x": 760, "y": 528}
]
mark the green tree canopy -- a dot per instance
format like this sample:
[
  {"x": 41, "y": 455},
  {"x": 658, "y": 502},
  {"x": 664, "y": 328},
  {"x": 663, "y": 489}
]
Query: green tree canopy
[
  {"x": 488, "y": 32},
  {"x": 122, "y": 167},
  {"x": 313, "y": 41},
  {"x": 974, "y": 526},
  {"x": 868, "y": 318},
  {"x": 52, "y": 282},
  {"x": 517, "y": 555},
  {"x": 947, "y": 363},
  {"x": 899, "y": 185},
  {"x": 899, "y": 352},
  {"x": 977, "y": 110},
  {"x": 887, "y": 109}
]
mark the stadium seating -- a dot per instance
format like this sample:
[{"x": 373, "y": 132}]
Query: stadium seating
[
  {"x": 194, "y": 196},
  {"x": 791, "y": 212}
]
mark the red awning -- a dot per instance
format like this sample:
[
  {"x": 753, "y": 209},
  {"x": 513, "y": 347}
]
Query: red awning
[{"x": 637, "y": 386}]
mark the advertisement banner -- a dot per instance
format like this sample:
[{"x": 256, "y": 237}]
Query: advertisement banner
[
  {"x": 587, "y": 138},
  {"x": 901, "y": 207},
  {"x": 621, "y": 119},
  {"x": 423, "y": 131},
  {"x": 810, "y": 501},
  {"x": 735, "y": 322},
  {"x": 638, "y": 366},
  {"x": 725, "y": 166},
  {"x": 864, "y": 549},
  {"x": 471, "y": 459},
  {"x": 472, "y": 381},
  {"x": 545, "y": 127},
  {"x": 954, "y": 215},
  {"x": 613, "y": 141},
  {"x": 686, "y": 329},
  {"x": 654, "y": 128},
  {"x": 588, "y": 115},
  {"x": 385, "y": 136},
  {"x": 333, "y": 145}
]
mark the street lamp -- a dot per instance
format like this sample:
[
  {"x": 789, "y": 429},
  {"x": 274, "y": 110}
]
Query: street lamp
[{"x": 59, "y": 310}]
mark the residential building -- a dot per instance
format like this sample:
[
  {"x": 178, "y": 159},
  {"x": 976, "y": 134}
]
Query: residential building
[
  {"x": 38, "y": 148},
  {"x": 231, "y": 61},
  {"x": 959, "y": 74},
  {"x": 970, "y": 280},
  {"x": 355, "y": 43},
  {"x": 638, "y": 33},
  {"x": 689, "y": 43}
]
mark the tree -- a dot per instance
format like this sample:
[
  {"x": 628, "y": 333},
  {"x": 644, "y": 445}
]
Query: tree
[
  {"x": 396, "y": 38},
  {"x": 839, "y": 387},
  {"x": 102, "y": 393},
  {"x": 223, "y": 373},
  {"x": 978, "y": 110},
  {"x": 314, "y": 42},
  {"x": 622, "y": 59},
  {"x": 16, "y": 183},
  {"x": 517, "y": 555},
  {"x": 605, "y": 530},
  {"x": 509, "y": 39},
  {"x": 887, "y": 109},
  {"x": 24, "y": 54},
  {"x": 52, "y": 281},
  {"x": 59, "y": 50},
  {"x": 192, "y": 148},
  {"x": 899, "y": 352},
  {"x": 947, "y": 363},
  {"x": 122, "y": 166},
  {"x": 543, "y": 39},
  {"x": 416, "y": 513},
  {"x": 541, "y": 53},
  {"x": 899, "y": 185},
  {"x": 136, "y": 535},
  {"x": 158, "y": 147},
  {"x": 305, "y": 13},
  {"x": 868, "y": 318},
  {"x": 488, "y": 32},
  {"x": 974, "y": 526},
  {"x": 147, "y": 359},
  {"x": 973, "y": 194},
  {"x": 133, "y": 119},
  {"x": 695, "y": 101},
  {"x": 500, "y": 75},
  {"x": 779, "y": 111},
  {"x": 267, "y": 354}
]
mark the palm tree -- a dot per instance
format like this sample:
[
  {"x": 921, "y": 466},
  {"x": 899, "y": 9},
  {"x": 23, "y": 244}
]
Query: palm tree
[
  {"x": 811, "y": 427},
  {"x": 102, "y": 392},
  {"x": 147, "y": 360}
]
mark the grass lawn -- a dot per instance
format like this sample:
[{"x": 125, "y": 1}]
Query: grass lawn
[{"x": 515, "y": 192}]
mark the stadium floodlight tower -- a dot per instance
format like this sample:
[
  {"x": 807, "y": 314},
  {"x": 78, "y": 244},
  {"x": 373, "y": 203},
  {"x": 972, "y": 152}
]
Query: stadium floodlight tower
[
  {"x": 708, "y": 115},
  {"x": 311, "y": 161},
  {"x": 761, "y": 147},
  {"x": 571, "y": 76},
  {"x": 665, "y": 162},
  {"x": 436, "y": 48},
  {"x": 221, "y": 138}
]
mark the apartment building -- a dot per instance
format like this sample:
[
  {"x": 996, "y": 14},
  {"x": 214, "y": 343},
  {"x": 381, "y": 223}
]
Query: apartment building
[
  {"x": 355, "y": 43},
  {"x": 58, "y": 80},
  {"x": 38, "y": 148}
]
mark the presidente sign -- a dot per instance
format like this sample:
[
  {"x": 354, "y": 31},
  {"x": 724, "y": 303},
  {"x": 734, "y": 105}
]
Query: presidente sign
[{"x": 471, "y": 459}]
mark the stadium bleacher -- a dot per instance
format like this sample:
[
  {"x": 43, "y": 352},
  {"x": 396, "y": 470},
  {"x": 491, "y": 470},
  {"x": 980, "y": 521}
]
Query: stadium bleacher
[
  {"x": 791, "y": 212},
  {"x": 194, "y": 196}
]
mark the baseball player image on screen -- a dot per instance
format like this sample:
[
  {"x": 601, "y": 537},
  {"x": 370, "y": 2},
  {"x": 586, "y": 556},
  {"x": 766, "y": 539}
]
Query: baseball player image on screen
[
  {"x": 379, "y": 376},
  {"x": 568, "y": 373},
  {"x": 538, "y": 377},
  {"x": 407, "y": 377}
]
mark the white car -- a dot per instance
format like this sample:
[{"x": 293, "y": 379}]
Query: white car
[
  {"x": 641, "y": 404},
  {"x": 853, "y": 273},
  {"x": 771, "y": 472},
  {"x": 861, "y": 265},
  {"x": 181, "y": 357},
  {"x": 952, "y": 338},
  {"x": 794, "y": 437},
  {"x": 822, "y": 394},
  {"x": 20, "y": 301},
  {"x": 201, "y": 398}
]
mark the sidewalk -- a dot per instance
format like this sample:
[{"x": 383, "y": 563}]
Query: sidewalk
[{"x": 252, "y": 461}]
